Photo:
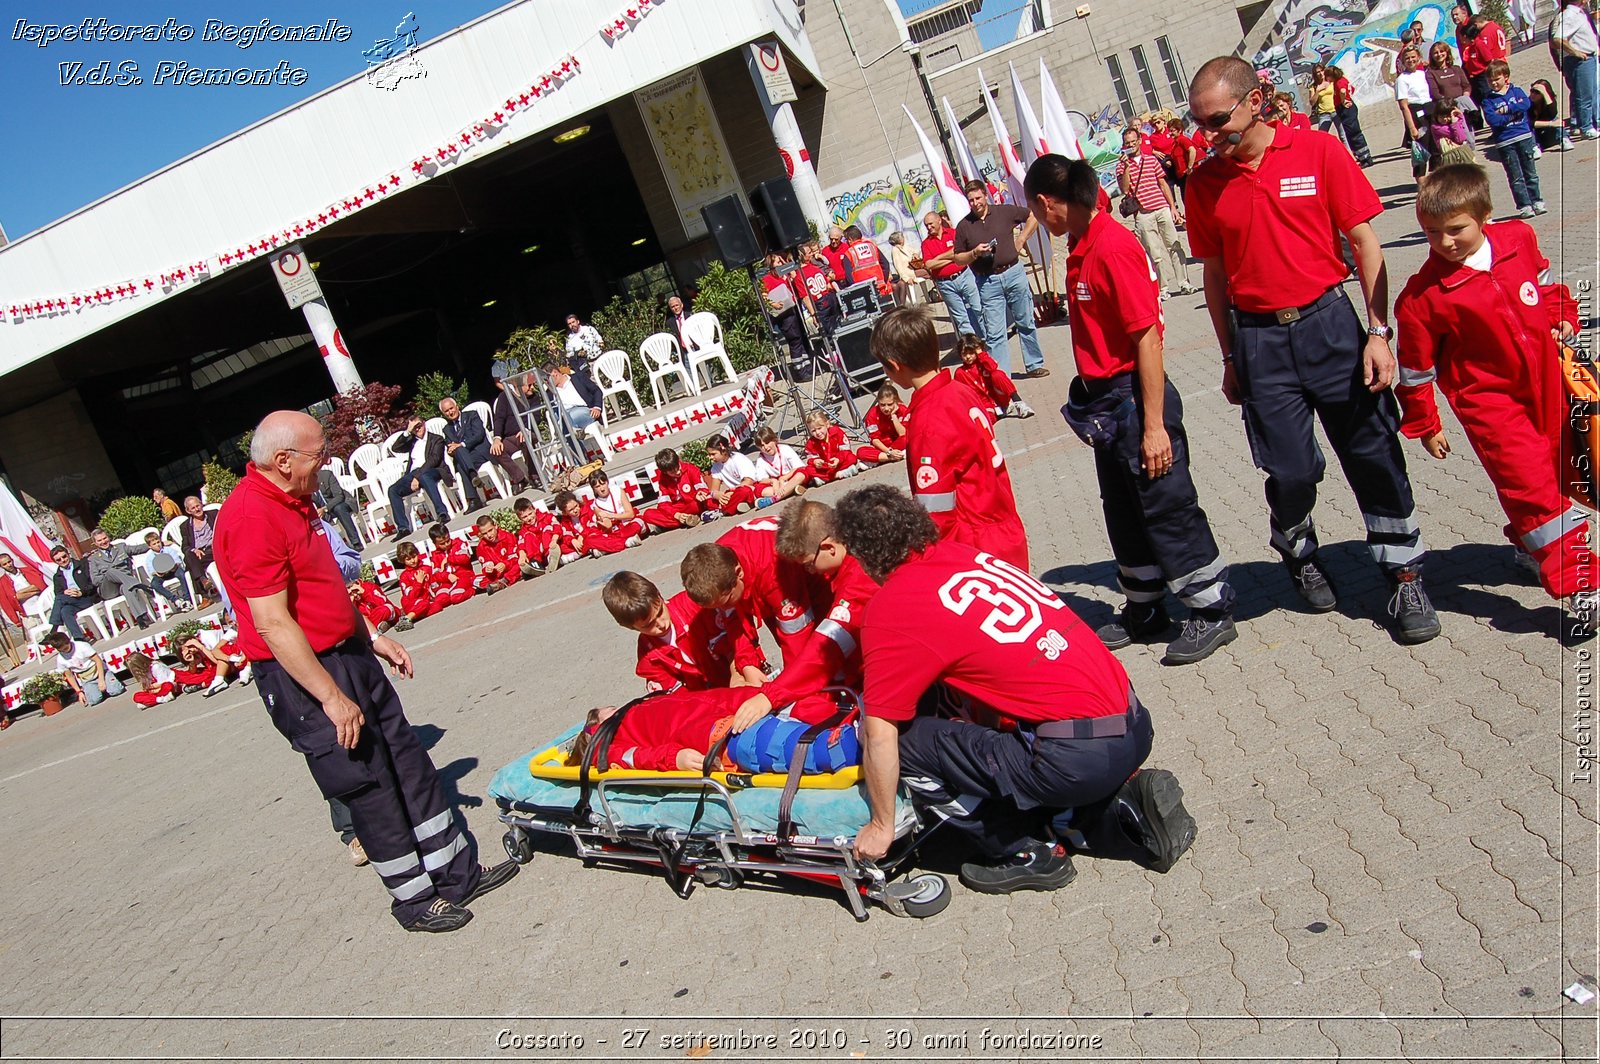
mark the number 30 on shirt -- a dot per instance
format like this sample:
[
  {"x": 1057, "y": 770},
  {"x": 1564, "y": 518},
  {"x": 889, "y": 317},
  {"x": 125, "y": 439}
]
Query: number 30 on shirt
[
  {"x": 998, "y": 459},
  {"x": 1016, "y": 601}
]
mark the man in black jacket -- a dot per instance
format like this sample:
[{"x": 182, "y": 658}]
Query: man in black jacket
[
  {"x": 74, "y": 592},
  {"x": 506, "y": 432},
  {"x": 466, "y": 441},
  {"x": 425, "y": 468},
  {"x": 334, "y": 502}
]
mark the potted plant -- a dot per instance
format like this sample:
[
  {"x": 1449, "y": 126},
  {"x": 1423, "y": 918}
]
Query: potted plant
[{"x": 45, "y": 691}]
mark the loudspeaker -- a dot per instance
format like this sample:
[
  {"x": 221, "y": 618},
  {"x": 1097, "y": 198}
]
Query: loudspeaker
[
  {"x": 855, "y": 351},
  {"x": 730, "y": 230},
  {"x": 777, "y": 202}
]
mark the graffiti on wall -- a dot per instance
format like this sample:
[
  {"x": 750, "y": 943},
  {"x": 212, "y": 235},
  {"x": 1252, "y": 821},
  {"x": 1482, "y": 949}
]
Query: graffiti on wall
[
  {"x": 1100, "y": 137},
  {"x": 1370, "y": 58},
  {"x": 1359, "y": 37}
]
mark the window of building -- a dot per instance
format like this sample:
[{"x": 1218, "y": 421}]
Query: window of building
[
  {"x": 1152, "y": 102},
  {"x": 1120, "y": 85},
  {"x": 1169, "y": 67}
]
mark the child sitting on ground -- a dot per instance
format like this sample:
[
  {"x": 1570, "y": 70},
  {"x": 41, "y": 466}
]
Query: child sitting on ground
[
  {"x": 1481, "y": 318},
  {"x": 681, "y": 644},
  {"x": 84, "y": 669},
  {"x": 734, "y": 479},
  {"x": 370, "y": 601},
  {"x": 204, "y": 668},
  {"x": 979, "y": 372},
  {"x": 537, "y": 550},
  {"x": 886, "y": 424},
  {"x": 674, "y": 731},
  {"x": 418, "y": 598},
  {"x": 452, "y": 579},
  {"x": 829, "y": 456},
  {"x": 497, "y": 552},
  {"x": 157, "y": 684},
  {"x": 1505, "y": 108},
  {"x": 613, "y": 510},
  {"x": 777, "y": 465},
  {"x": 686, "y": 498}
]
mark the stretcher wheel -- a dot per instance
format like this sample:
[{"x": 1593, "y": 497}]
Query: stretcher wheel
[
  {"x": 932, "y": 896},
  {"x": 519, "y": 847}
]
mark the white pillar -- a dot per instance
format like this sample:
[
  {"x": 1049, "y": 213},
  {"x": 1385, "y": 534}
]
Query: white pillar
[
  {"x": 335, "y": 356},
  {"x": 796, "y": 157}
]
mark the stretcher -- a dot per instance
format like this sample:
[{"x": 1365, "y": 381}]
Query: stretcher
[{"x": 717, "y": 828}]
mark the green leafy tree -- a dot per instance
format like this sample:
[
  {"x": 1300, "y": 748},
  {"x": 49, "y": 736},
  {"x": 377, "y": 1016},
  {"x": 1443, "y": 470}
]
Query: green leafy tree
[
  {"x": 129, "y": 514},
  {"x": 695, "y": 452},
  {"x": 731, "y": 296},
  {"x": 220, "y": 482},
  {"x": 507, "y": 520},
  {"x": 433, "y": 389},
  {"x": 532, "y": 346},
  {"x": 1496, "y": 12}
]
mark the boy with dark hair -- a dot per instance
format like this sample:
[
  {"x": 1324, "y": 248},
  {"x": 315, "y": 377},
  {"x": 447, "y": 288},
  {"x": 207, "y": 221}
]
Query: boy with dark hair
[
  {"x": 417, "y": 597},
  {"x": 979, "y": 372},
  {"x": 742, "y": 571},
  {"x": 373, "y": 605},
  {"x": 1481, "y": 319},
  {"x": 497, "y": 553},
  {"x": 686, "y": 498},
  {"x": 452, "y": 577},
  {"x": 1122, "y": 404},
  {"x": 1505, "y": 108},
  {"x": 952, "y": 460},
  {"x": 537, "y": 551},
  {"x": 680, "y": 643}
]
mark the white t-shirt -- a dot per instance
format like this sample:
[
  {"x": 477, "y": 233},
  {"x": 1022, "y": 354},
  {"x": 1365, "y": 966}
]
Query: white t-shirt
[
  {"x": 1577, "y": 32},
  {"x": 614, "y": 502},
  {"x": 80, "y": 659},
  {"x": 160, "y": 674},
  {"x": 735, "y": 471},
  {"x": 19, "y": 582},
  {"x": 1481, "y": 259},
  {"x": 570, "y": 397},
  {"x": 1412, "y": 87},
  {"x": 780, "y": 464},
  {"x": 419, "y": 453}
]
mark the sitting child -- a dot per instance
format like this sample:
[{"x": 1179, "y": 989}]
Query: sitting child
[
  {"x": 980, "y": 372},
  {"x": 777, "y": 465},
  {"x": 497, "y": 551},
  {"x": 370, "y": 601},
  {"x": 417, "y": 597},
  {"x": 85, "y": 671},
  {"x": 886, "y": 424},
  {"x": 733, "y": 477},
  {"x": 537, "y": 550},
  {"x": 828, "y": 454},
  {"x": 157, "y": 683},
  {"x": 613, "y": 510},
  {"x": 686, "y": 498},
  {"x": 451, "y": 576},
  {"x": 204, "y": 668},
  {"x": 676, "y": 730},
  {"x": 680, "y": 643}
]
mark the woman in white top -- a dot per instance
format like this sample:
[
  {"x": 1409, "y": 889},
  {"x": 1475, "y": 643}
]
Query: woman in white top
[
  {"x": 907, "y": 285},
  {"x": 1415, "y": 98}
]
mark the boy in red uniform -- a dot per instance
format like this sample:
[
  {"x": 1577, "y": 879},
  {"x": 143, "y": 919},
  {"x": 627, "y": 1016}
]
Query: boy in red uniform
[
  {"x": 453, "y": 579},
  {"x": 686, "y": 498},
  {"x": 979, "y": 372},
  {"x": 674, "y": 731},
  {"x": 1481, "y": 319},
  {"x": 1065, "y": 738},
  {"x": 952, "y": 460},
  {"x": 807, "y": 535},
  {"x": 536, "y": 540},
  {"x": 497, "y": 553},
  {"x": 579, "y": 534},
  {"x": 375, "y": 606},
  {"x": 682, "y": 644},
  {"x": 742, "y": 572},
  {"x": 828, "y": 455},
  {"x": 886, "y": 424},
  {"x": 417, "y": 597}
]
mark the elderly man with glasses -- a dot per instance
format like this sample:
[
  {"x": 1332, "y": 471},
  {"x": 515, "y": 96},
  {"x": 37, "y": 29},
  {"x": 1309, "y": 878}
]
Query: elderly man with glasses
[{"x": 425, "y": 468}]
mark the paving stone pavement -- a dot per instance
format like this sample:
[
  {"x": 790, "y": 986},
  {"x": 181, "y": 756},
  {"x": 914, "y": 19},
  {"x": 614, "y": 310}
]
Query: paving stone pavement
[{"x": 1396, "y": 858}]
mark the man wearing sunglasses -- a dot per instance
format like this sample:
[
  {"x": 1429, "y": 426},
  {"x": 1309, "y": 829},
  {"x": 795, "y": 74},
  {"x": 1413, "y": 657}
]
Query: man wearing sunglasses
[{"x": 1265, "y": 214}]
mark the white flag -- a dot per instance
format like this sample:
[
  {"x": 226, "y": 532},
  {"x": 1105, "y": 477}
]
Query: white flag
[
  {"x": 964, "y": 157},
  {"x": 1011, "y": 168},
  {"x": 955, "y": 203},
  {"x": 1033, "y": 139},
  {"x": 20, "y": 535},
  {"x": 1039, "y": 246},
  {"x": 1057, "y": 126}
]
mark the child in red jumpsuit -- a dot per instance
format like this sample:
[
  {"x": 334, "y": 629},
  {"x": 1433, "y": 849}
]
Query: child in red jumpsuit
[
  {"x": 682, "y": 644},
  {"x": 686, "y": 498},
  {"x": 536, "y": 540},
  {"x": 1481, "y": 319},
  {"x": 452, "y": 580},
  {"x": 886, "y": 424},
  {"x": 375, "y": 606},
  {"x": 980, "y": 372},
  {"x": 497, "y": 552},
  {"x": 828, "y": 454},
  {"x": 675, "y": 731},
  {"x": 417, "y": 597}
]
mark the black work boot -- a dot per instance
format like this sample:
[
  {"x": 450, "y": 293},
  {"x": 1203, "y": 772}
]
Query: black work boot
[
  {"x": 1313, "y": 585},
  {"x": 441, "y": 916},
  {"x": 1150, "y": 809},
  {"x": 1200, "y": 638},
  {"x": 1414, "y": 618},
  {"x": 491, "y": 879},
  {"x": 1042, "y": 866},
  {"x": 1137, "y": 622}
]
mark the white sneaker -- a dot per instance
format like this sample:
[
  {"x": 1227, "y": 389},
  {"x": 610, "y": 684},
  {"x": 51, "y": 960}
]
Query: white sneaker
[
  {"x": 246, "y": 677},
  {"x": 162, "y": 700},
  {"x": 1538, "y": 152},
  {"x": 848, "y": 471},
  {"x": 567, "y": 559},
  {"x": 711, "y": 515},
  {"x": 1540, "y": 208},
  {"x": 217, "y": 686},
  {"x": 1585, "y": 607},
  {"x": 1019, "y": 409},
  {"x": 631, "y": 541},
  {"x": 1526, "y": 212}
]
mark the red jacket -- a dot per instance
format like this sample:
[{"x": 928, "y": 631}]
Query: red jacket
[
  {"x": 821, "y": 452},
  {"x": 451, "y": 568},
  {"x": 688, "y": 487},
  {"x": 1488, "y": 44},
  {"x": 1480, "y": 331},
  {"x": 777, "y": 593},
  {"x": 650, "y": 734},
  {"x": 985, "y": 378},
  {"x": 534, "y": 540},
  {"x": 503, "y": 551},
  {"x": 569, "y": 532},
  {"x": 881, "y": 430},
  {"x": 700, "y": 652},
  {"x": 832, "y": 654},
  {"x": 415, "y": 592}
]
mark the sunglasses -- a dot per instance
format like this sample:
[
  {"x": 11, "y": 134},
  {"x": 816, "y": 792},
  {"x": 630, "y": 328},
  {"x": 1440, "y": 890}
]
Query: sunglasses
[{"x": 1217, "y": 121}]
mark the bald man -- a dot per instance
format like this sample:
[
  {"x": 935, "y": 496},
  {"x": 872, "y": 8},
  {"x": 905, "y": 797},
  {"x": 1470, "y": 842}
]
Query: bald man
[
  {"x": 321, "y": 676},
  {"x": 951, "y": 276}
]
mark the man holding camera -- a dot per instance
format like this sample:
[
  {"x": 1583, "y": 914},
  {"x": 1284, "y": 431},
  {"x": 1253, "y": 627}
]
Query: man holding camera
[{"x": 987, "y": 241}]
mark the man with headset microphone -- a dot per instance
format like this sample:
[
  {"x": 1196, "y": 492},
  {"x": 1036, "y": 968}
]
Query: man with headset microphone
[{"x": 1265, "y": 213}]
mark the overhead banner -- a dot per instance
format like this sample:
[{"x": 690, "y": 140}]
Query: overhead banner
[{"x": 689, "y": 146}]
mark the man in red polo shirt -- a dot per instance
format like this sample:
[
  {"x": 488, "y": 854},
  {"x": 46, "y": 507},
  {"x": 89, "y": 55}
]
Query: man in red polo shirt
[
  {"x": 954, "y": 280},
  {"x": 323, "y": 683},
  {"x": 1038, "y": 730},
  {"x": 1122, "y": 405},
  {"x": 1265, "y": 213}
]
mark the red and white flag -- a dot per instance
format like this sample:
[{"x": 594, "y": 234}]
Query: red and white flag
[
  {"x": 1034, "y": 142},
  {"x": 964, "y": 157},
  {"x": 1057, "y": 126},
  {"x": 955, "y": 202}
]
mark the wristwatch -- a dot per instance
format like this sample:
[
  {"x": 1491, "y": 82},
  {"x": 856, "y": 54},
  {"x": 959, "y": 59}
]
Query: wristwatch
[{"x": 1383, "y": 332}]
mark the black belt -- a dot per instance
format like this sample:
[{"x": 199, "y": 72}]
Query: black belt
[
  {"x": 1106, "y": 727},
  {"x": 1261, "y": 319}
]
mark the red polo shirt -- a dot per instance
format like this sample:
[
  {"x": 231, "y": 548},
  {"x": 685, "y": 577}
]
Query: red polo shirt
[
  {"x": 1276, "y": 227},
  {"x": 1111, "y": 292},
  {"x": 269, "y": 541},
  {"x": 943, "y": 244}
]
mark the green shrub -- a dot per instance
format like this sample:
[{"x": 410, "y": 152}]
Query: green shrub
[
  {"x": 623, "y": 326},
  {"x": 36, "y": 689},
  {"x": 369, "y": 573},
  {"x": 695, "y": 452},
  {"x": 506, "y": 519},
  {"x": 129, "y": 514},
  {"x": 180, "y": 633},
  {"x": 433, "y": 389},
  {"x": 731, "y": 296},
  {"x": 530, "y": 347},
  {"x": 220, "y": 482}
]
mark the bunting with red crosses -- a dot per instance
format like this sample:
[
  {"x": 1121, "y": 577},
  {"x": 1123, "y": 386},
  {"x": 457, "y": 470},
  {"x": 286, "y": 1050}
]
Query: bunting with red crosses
[{"x": 627, "y": 20}]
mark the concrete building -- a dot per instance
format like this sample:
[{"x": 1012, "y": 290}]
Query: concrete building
[{"x": 445, "y": 202}]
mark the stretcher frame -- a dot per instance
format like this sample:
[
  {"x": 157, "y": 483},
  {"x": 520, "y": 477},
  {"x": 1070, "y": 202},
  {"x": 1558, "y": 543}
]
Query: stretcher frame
[{"x": 724, "y": 857}]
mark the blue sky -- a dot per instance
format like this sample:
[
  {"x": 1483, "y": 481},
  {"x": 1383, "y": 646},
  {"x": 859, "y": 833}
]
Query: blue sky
[{"x": 74, "y": 143}]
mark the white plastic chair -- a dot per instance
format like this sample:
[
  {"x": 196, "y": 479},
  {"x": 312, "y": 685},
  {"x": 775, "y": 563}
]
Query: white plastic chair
[
  {"x": 706, "y": 348},
  {"x": 36, "y": 615},
  {"x": 664, "y": 358},
  {"x": 365, "y": 462},
  {"x": 614, "y": 371}
]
